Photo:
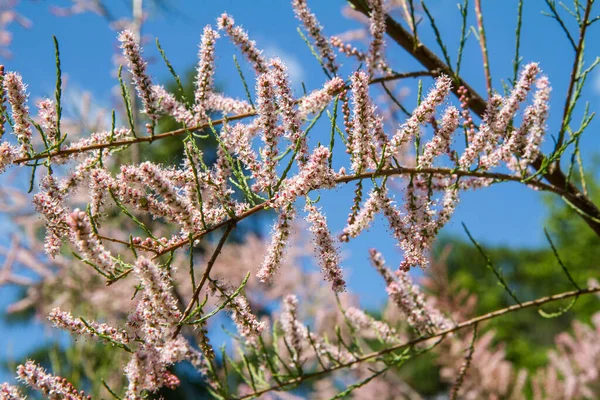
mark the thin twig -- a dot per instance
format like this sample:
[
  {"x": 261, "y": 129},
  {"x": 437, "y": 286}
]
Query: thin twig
[
  {"x": 574, "y": 73},
  {"x": 483, "y": 44},
  {"x": 209, "y": 266}
]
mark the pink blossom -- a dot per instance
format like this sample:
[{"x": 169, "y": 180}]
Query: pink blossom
[
  {"x": 240, "y": 38},
  {"x": 168, "y": 104},
  {"x": 326, "y": 248},
  {"x": 87, "y": 242},
  {"x": 65, "y": 320},
  {"x": 267, "y": 120},
  {"x": 441, "y": 141},
  {"x": 315, "y": 30},
  {"x": 279, "y": 239},
  {"x": 52, "y": 386},
  {"x": 48, "y": 120},
  {"x": 289, "y": 114},
  {"x": 137, "y": 67},
  {"x": 247, "y": 324},
  {"x": 16, "y": 91},
  {"x": 205, "y": 70},
  {"x": 10, "y": 392},
  {"x": 422, "y": 114},
  {"x": 315, "y": 174},
  {"x": 319, "y": 99},
  {"x": 375, "y": 57}
]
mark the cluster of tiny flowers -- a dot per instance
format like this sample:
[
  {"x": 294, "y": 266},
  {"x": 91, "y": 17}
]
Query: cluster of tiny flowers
[
  {"x": 377, "y": 28},
  {"x": 246, "y": 322},
  {"x": 48, "y": 120},
  {"x": 151, "y": 175},
  {"x": 168, "y": 104},
  {"x": 137, "y": 67},
  {"x": 267, "y": 120},
  {"x": 154, "y": 322},
  {"x": 87, "y": 242},
  {"x": 360, "y": 139},
  {"x": 315, "y": 174},
  {"x": 289, "y": 114},
  {"x": 292, "y": 329},
  {"x": 496, "y": 122},
  {"x": 218, "y": 102},
  {"x": 240, "y": 38},
  {"x": 346, "y": 48},
  {"x": 534, "y": 122},
  {"x": 422, "y": 114},
  {"x": 363, "y": 219},
  {"x": 157, "y": 289},
  {"x": 8, "y": 153},
  {"x": 315, "y": 30},
  {"x": 320, "y": 98},
  {"x": 297, "y": 335},
  {"x": 368, "y": 325},
  {"x": 2, "y": 104},
  {"x": 440, "y": 144},
  {"x": 205, "y": 70},
  {"x": 10, "y": 392},
  {"x": 409, "y": 299},
  {"x": 65, "y": 320},
  {"x": 54, "y": 387},
  {"x": 17, "y": 97},
  {"x": 280, "y": 235},
  {"x": 325, "y": 247}
]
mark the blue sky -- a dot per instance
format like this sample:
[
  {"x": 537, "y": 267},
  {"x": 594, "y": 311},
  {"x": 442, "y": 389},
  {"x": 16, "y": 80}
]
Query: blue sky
[{"x": 504, "y": 214}]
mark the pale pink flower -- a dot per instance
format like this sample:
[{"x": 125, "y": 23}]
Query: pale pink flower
[
  {"x": 8, "y": 153},
  {"x": 267, "y": 120},
  {"x": 52, "y": 386},
  {"x": 246, "y": 322},
  {"x": 17, "y": 94},
  {"x": 157, "y": 289},
  {"x": 315, "y": 174},
  {"x": 292, "y": 328},
  {"x": 326, "y": 248},
  {"x": 320, "y": 98},
  {"x": 441, "y": 141},
  {"x": 10, "y": 392},
  {"x": 168, "y": 104},
  {"x": 48, "y": 120},
  {"x": 422, "y": 114},
  {"x": 315, "y": 30},
  {"x": 240, "y": 38},
  {"x": 375, "y": 57},
  {"x": 370, "y": 327},
  {"x": 87, "y": 242},
  {"x": 289, "y": 114},
  {"x": 137, "y": 66},
  {"x": 360, "y": 138},
  {"x": 363, "y": 219},
  {"x": 227, "y": 105},
  {"x": 409, "y": 299},
  {"x": 280, "y": 235},
  {"x": 205, "y": 70},
  {"x": 64, "y": 320}
]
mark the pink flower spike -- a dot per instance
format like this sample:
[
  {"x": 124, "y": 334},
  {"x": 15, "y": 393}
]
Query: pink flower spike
[
  {"x": 53, "y": 386},
  {"x": 137, "y": 67},
  {"x": 279, "y": 240},
  {"x": 17, "y": 97},
  {"x": 205, "y": 70},
  {"x": 87, "y": 242},
  {"x": 325, "y": 248},
  {"x": 10, "y": 392},
  {"x": 315, "y": 30},
  {"x": 240, "y": 38}
]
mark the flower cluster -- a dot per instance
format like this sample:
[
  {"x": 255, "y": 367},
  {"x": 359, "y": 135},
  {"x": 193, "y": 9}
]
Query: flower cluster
[{"x": 52, "y": 386}]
